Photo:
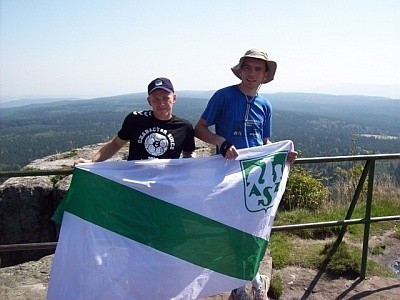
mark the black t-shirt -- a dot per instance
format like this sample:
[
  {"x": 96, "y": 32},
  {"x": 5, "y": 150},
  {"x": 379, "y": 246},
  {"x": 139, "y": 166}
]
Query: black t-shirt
[{"x": 150, "y": 137}]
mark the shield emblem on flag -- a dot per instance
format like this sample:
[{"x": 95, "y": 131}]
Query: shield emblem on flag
[{"x": 261, "y": 178}]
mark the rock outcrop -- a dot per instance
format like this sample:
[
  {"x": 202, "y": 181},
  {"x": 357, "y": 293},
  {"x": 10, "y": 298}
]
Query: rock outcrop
[{"x": 26, "y": 207}]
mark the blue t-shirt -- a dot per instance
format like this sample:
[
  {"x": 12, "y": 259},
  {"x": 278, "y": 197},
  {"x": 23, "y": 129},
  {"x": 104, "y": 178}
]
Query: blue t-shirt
[{"x": 245, "y": 122}]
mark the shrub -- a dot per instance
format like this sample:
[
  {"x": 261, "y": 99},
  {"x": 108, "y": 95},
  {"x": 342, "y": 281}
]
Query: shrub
[
  {"x": 346, "y": 182},
  {"x": 303, "y": 191},
  {"x": 344, "y": 262},
  {"x": 276, "y": 287}
]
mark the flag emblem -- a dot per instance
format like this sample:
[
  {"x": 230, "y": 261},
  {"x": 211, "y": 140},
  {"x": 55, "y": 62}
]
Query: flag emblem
[{"x": 261, "y": 178}]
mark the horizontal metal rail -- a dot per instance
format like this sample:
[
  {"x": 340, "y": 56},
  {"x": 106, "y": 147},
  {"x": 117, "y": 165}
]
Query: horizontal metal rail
[
  {"x": 29, "y": 246},
  {"x": 326, "y": 159},
  {"x": 26, "y": 173},
  {"x": 312, "y": 160},
  {"x": 333, "y": 223},
  {"x": 53, "y": 245}
]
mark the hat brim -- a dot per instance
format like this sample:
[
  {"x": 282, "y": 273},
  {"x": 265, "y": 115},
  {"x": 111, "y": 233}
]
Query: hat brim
[
  {"x": 161, "y": 88},
  {"x": 271, "y": 69}
]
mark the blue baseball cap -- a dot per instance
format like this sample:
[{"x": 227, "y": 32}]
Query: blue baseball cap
[{"x": 160, "y": 83}]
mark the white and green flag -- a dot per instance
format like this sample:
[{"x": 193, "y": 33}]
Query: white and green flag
[{"x": 167, "y": 229}]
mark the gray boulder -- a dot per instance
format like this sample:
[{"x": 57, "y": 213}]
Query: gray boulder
[{"x": 26, "y": 207}]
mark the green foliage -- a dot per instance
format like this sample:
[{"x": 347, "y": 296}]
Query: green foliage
[
  {"x": 344, "y": 262},
  {"x": 276, "y": 287},
  {"x": 377, "y": 249},
  {"x": 350, "y": 175},
  {"x": 385, "y": 207},
  {"x": 317, "y": 124},
  {"x": 347, "y": 178},
  {"x": 290, "y": 248},
  {"x": 375, "y": 269},
  {"x": 303, "y": 191},
  {"x": 382, "y": 206},
  {"x": 71, "y": 153},
  {"x": 306, "y": 254},
  {"x": 280, "y": 249},
  {"x": 301, "y": 216},
  {"x": 356, "y": 230}
]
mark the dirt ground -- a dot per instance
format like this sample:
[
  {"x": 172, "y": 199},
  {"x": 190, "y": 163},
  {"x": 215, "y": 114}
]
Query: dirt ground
[{"x": 29, "y": 280}]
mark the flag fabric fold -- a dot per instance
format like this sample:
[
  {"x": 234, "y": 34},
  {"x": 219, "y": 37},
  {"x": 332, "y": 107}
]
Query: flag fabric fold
[{"x": 167, "y": 229}]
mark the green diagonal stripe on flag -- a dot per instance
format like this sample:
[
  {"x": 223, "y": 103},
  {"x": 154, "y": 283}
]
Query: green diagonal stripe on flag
[{"x": 164, "y": 226}]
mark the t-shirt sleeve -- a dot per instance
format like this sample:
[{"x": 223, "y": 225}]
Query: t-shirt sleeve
[
  {"x": 268, "y": 123},
  {"x": 189, "y": 144},
  {"x": 124, "y": 133},
  {"x": 213, "y": 109}
]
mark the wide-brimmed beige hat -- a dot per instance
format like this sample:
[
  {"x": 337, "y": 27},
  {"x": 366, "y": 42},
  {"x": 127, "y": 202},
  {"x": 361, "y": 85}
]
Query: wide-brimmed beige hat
[{"x": 255, "y": 53}]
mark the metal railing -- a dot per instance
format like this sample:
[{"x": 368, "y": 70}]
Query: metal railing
[{"x": 368, "y": 172}]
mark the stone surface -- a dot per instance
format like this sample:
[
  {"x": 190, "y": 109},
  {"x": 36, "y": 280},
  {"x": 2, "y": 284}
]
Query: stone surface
[
  {"x": 30, "y": 281},
  {"x": 26, "y": 207}
]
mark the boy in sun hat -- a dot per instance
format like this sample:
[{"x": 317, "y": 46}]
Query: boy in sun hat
[
  {"x": 257, "y": 54},
  {"x": 242, "y": 119}
]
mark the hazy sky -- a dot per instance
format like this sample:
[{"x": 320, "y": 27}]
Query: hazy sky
[{"x": 82, "y": 48}]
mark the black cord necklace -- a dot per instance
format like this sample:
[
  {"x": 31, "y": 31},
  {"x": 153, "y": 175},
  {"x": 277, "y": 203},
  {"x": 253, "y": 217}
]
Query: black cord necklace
[{"x": 248, "y": 106}]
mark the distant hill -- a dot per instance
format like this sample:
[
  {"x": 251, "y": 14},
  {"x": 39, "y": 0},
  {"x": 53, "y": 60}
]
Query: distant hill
[
  {"x": 23, "y": 102},
  {"x": 370, "y": 111},
  {"x": 28, "y": 101},
  {"x": 319, "y": 125}
]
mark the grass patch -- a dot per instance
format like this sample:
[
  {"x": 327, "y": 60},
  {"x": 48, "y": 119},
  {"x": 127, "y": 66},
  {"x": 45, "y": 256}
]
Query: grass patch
[
  {"x": 302, "y": 216},
  {"x": 276, "y": 287},
  {"x": 71, "y": 153},
  {"x": 344, "y": 261},
  {"x": 377, "y": 249},
  {"x": 375, "y": 269},
  {"x": 309, "y": 255},
  {"x": 396, "y": 234},
  {"x": 309, "y": 248},
  {"x": 289, "y": 250},
  {"x": 280, "y": 249},
  {"x": 382, "y": 207}
]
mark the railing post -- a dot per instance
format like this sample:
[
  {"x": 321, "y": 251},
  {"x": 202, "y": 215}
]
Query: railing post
[
  {"x": 353, "y": 203},
  {"x": 367, "y": 218}
]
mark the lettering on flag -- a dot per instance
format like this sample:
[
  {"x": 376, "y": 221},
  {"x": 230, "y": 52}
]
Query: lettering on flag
[{"x": 262, "y": 177}]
